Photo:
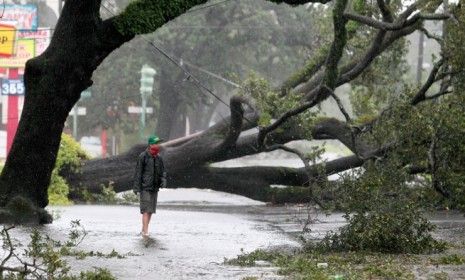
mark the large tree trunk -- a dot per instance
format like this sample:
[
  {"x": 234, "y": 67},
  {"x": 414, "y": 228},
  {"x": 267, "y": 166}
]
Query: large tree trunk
[
  {"x": 188, "y": 160},
  {"x": 53, "y": 83}
]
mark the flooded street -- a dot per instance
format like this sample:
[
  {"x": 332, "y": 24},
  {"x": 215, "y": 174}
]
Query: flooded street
[
  {"x": 189, "y": 237},
  {"x": 194, "y": 230}
]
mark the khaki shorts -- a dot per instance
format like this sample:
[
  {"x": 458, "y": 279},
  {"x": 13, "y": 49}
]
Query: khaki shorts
[{"x": 148, "y": 202}]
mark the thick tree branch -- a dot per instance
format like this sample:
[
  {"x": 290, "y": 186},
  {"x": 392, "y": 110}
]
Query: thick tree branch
[
  {"x": 387, "y": 26},
  {"x": 264, "y": 131},
  {"x": 421, "y": 94},
  {"x": 439, "y": 94},
  {"x": 385, "y": 11},
  {"x": 236, "y": 120},
  {"x": 431, "y": 35},
  {"x": 381, "y": 42},
  {"x": 310, "y": 69},
  {"x": 432, "y": 157},
  {"x": 341, "y": 107}
]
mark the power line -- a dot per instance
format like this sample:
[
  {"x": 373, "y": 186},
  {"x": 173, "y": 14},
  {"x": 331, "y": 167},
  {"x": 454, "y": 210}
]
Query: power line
[{"x": 190, "y": 76}]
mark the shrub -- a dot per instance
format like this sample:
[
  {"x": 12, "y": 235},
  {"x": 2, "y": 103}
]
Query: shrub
[
  {"x": 69, "y": 156},
  {"x": 403, "y": 230},
  {"x": 43, "y": 257},
  {"x": 383, "y": 214}
]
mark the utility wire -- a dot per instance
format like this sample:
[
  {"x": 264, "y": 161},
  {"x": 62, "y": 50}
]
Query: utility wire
[{"x": 190, "y": 76}]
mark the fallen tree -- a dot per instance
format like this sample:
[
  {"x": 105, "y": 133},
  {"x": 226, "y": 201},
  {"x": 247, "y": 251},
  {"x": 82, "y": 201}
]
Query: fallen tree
[{"x": 189, "y": 159}]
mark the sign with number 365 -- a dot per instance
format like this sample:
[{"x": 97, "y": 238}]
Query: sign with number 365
[{"x": 12, "y": 87}]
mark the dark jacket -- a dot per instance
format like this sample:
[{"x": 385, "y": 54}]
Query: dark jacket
[{"x": 150, "y": 173}]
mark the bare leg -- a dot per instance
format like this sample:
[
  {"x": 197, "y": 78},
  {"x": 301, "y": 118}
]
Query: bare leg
[
  {"x": 148, "y": 222},
  {"x": 145, "y": 223}
]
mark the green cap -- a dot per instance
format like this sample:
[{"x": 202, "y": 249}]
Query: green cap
[{"x": 153, "y": 139}]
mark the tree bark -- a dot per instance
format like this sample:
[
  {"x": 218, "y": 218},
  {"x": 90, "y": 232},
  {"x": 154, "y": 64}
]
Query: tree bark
[
  {"x": 53, "y": 83},
  {"x": 188, "y": 160}
]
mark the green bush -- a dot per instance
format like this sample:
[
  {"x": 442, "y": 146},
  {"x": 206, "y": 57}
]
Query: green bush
[
  {"x": 69, "y": 156},
  {"x": 403, "y": 230},
  {"x": 383, "y": 214},
  {"x": 43, "y": 257}
]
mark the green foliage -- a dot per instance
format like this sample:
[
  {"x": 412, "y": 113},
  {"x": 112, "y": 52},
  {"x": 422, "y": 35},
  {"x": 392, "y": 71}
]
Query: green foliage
[
  {"x": 58, "y": 190},
  {"x": 351, "y": 265},
  {"x": 454, "y": 47},
  {"x": 97, "y": 274},
  {"x": 431, "y": 135},
  {"x": 249, "y": 259},
  {"x": 107, "y": 195},
  {"x": 69, "y": 156},
  {"x": 43, "y": 257},
  {"x": 272, "y": 105},
  {"x": 250, "y": 278},
  {"x": 383, "y": 213},
  {"x": 130, "y": 198},
  {"x": 144, "y": 16},
  {"x": 400, "y": 231},
  {"x": 452, "y": 259}
]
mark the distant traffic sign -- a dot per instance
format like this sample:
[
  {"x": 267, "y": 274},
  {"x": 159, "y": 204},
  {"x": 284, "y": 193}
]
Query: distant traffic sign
[
  {"x": 138, "y": 110},
  {"x": 81, "y": 111},
  {"x": 12, "y": 87}
]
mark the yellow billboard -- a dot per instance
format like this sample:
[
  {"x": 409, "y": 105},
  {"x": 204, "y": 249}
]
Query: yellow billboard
[
  {"x": 25, "y": 50},
  {"x": 7, "y": 39}
]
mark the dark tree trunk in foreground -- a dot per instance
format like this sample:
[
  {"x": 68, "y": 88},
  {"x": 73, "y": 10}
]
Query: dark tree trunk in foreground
[{"x": 53, "y": 84}]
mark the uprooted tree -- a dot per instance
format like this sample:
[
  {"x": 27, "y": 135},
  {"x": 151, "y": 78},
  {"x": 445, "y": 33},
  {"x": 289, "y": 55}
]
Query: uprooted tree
[{"x": 55, "y": 80}]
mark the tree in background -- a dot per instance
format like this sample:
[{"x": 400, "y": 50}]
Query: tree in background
[{"x": 230, "y": 40}]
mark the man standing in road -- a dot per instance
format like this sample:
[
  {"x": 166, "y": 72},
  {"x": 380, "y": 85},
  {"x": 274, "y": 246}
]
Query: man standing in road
[{"x": 149, "y": 177}]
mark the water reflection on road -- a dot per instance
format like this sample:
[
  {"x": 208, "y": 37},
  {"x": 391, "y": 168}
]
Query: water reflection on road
[
  {"x": 194, "y": 230},
  {"x": 190, "y": 238}
]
